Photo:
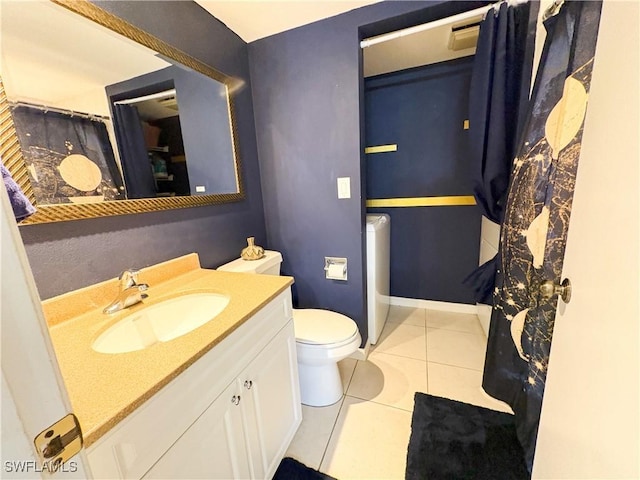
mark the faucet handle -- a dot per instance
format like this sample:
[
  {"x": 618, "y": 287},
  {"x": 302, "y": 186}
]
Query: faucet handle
[{"x": 128, "y": 278}]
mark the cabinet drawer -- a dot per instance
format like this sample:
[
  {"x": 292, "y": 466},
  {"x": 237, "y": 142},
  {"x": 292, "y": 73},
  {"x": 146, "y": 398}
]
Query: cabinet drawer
[{"x": 131, "y": 448}]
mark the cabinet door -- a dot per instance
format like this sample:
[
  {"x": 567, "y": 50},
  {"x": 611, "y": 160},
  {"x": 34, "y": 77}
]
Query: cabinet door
[
  {"x": 213, "y": 447},
  {"x": 273, "y": 411}
]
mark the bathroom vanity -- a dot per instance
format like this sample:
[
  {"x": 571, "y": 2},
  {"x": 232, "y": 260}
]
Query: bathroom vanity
[{"x": 221, "y": 401}]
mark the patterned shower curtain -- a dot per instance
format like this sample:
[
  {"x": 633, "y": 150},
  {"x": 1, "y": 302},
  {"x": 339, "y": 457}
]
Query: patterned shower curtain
[
  {"x": 69, "y": 157},
  {"x": 536, "y": 221}
]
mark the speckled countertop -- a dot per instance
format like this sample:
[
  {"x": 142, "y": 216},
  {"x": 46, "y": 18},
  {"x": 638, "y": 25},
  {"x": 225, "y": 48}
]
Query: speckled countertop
[{"x": 105, "y": 388}]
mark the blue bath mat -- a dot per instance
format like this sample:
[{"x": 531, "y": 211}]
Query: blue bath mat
[{"x": 291, "y": 469}]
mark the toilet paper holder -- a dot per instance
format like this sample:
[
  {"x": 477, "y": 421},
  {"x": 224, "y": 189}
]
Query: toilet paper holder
[{"x": 335, "y": 268}]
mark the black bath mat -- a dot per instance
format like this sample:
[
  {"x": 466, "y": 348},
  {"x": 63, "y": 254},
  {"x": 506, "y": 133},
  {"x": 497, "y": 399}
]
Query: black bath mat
[
  {"x": 454, "y": 440},
  {"x": 291, "y": 469}
]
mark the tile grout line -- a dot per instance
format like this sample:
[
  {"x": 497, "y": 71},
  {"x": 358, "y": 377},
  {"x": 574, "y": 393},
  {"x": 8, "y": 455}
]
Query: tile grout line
[
  {"x": 335, "y": 422},
  {"x": 344, "y": 395},
  {"x": 446, "y": 329},
  {"x": 382, "y": 404},
  {"x": 426, "y": 348},
  {"x": 441, "y": 329},
  {"x": 401, "y": 323},
  {"x": 403, "y": 356},
  {"x": 455, "y": 366},
  {"x": 353, "y": 372},
  {"x": 372, "y": 354}
]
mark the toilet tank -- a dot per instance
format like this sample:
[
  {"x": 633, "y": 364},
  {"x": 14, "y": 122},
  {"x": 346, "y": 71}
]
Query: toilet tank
[{"x": 267, "y": 265}]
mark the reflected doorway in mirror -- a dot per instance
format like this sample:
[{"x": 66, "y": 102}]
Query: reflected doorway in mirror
[{"x": 149, "y": 139}]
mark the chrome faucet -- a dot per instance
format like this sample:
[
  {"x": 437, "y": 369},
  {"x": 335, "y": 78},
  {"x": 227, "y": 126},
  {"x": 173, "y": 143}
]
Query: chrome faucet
[{"x": 131, "y": 292}]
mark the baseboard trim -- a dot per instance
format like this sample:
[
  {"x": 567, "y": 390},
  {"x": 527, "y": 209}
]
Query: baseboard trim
[
  {"x": 434, "y": 305},
  {"x": 361, "y": 353}
]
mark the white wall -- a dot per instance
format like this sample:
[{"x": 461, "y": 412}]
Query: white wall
[{"x": 590, "y": 421}]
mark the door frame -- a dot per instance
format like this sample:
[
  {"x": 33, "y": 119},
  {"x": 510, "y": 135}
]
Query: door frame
[{"x": 34, "y": 395}]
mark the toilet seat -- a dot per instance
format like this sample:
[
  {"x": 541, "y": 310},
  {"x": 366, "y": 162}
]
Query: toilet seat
[{"x": 323, "y": 328}]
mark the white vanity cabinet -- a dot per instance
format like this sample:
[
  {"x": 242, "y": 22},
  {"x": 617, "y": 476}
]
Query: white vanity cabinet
[
  {"x": 271, "y": 403},
  {"x": 245, "y": 431},
  {"x": 213, "y": 447},
  {"x": 232, "y": 414}
]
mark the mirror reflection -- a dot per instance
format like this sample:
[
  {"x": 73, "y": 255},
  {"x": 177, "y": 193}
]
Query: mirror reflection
[
  {"x": 101, "y": 118},
  {"x": 152, "y": 123}
]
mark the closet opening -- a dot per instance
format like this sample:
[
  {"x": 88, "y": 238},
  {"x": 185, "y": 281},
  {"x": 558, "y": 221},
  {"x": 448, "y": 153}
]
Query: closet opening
[
  {"x": 418, "y": 171},
  {"x": 416, "y": 94}
]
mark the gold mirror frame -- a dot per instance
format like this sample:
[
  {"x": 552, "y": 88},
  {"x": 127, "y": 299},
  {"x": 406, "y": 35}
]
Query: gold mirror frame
[{"x": 12, "y": 154}]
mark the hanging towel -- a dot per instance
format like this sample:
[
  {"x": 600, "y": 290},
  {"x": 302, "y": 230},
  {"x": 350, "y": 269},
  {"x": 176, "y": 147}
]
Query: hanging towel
[{"x": 22, "y": 207}]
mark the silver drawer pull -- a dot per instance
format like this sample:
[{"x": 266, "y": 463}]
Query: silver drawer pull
[
  {"x": 248, "y": 384},
  {"x": 235, "y": 399}
]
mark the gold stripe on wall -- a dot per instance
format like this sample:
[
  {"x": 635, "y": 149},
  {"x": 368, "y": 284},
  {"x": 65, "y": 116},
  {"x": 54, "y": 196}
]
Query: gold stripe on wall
[
  {"x": 448, "y": 201},
  {"x": 381, "y": 148}
]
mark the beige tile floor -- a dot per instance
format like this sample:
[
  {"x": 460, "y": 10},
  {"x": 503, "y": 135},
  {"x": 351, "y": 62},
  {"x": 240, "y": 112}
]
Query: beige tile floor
[{"x": 365, "y": 435}]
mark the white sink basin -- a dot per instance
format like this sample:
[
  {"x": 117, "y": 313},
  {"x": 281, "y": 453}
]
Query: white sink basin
[{"x": 161, "y": 322}]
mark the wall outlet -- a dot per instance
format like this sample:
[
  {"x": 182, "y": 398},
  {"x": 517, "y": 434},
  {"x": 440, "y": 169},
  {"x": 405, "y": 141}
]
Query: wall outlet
[
  {"x": 200, "y": 188},
  {"x": 344, "y": 187}
]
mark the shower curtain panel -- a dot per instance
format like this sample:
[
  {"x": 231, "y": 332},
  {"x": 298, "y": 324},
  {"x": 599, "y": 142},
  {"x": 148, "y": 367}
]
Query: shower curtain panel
[
  {"x": 69, "y": 157},
  {"x": 494, "y": 108},
  {"x": 536, "y": 221},
  {"x": 494, "y": 101},
  {"x": 138, "y": 174}
]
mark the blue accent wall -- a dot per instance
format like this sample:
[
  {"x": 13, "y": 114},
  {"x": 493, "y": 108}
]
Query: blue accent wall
[
  {"x": 69, "y": 255},
  {"x": 423, "y": 110},
  {"x": 308, "y": 102}
]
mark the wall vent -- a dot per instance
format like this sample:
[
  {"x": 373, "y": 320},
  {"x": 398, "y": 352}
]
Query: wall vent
[{"x": 464, "y": 35}]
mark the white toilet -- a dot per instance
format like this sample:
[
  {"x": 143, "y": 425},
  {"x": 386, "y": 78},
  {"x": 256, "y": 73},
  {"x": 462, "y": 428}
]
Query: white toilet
[{"x": 323, "y": 338}]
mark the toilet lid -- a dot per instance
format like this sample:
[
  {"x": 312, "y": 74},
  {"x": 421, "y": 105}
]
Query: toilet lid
[{"x": 322, "y": 327}]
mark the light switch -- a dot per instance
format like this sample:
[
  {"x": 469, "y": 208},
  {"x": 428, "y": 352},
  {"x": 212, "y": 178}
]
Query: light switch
[{"x": 344, "y": 187}]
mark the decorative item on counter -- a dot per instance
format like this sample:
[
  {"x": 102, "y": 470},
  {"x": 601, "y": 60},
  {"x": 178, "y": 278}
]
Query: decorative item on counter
[{"x": 252, "y": 252}]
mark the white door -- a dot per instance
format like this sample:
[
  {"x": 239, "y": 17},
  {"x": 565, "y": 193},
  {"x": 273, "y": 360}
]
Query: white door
[
  {"x": 33, "y": 393},
  {"x": 589, "y": 426}
]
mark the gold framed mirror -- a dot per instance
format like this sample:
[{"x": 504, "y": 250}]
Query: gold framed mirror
[{"x": 226, "y": 187}]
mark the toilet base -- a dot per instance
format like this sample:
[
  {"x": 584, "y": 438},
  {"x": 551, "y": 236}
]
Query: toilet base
[{"x": 320, "y": 385}]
